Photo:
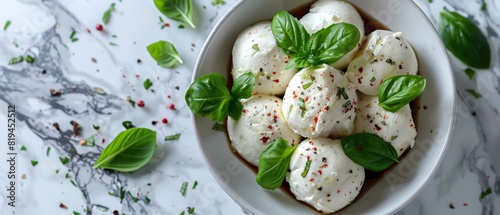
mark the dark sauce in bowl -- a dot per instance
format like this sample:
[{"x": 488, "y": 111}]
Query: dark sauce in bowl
[{"x": 371, "y": 178}]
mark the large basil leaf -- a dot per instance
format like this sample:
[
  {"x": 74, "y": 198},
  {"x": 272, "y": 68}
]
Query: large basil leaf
[
  {"x": 274, "y": 163},
  {"x": 129, "y": 151},
  {"x": 243, "y": 86},
  {"x": 397, "y": 91},
  {"x": 208, "y": 96},
  {"x": 369, "y": 151},
  {"x": 178, "y": 10},
  {"x": 290, "y": 35},
  {"x": 330, "y": 44},
  {"x": 464, "y": 39},
  {"x": 164, "y": 53}
]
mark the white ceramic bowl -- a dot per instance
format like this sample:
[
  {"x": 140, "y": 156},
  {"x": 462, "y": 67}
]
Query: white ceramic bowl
[{"x": 399, "y": 184}]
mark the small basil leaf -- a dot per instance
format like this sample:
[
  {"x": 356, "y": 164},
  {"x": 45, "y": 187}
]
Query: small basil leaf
[
  {"x": 297, "y": 62},
  {"x": 464, "y": 39},
  {"x": 274, "y": 163},
  {"x": 289, "y": 33},
  {"x": 369, "y": 151},
  {"x": 397, "y": 91},
  {"x": 130, "y": 150},
  {"x": 164, "y": 53},
  {"x": 208, "y": 96},
  {"x": 330, "y": 44},
  {"x": 107, "y": 14},
  {"x": 235, "y": 109},
  {"x": 243, "y": 86},
  {"x": 178, "y": 10}
]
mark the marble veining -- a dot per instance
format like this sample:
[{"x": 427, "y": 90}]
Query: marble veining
[{"x": 42, "y": 28}]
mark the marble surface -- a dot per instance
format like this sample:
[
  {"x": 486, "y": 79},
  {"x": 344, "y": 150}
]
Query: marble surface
[{"x": 42, "y": 28}]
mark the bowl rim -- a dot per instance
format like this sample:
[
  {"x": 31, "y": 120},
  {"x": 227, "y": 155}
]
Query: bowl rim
[{"x": 253, "y": 210}]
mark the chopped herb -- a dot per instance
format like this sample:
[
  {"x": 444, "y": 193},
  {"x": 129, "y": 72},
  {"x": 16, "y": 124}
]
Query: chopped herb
[
  {"x": 57, "y": 171},
  {"x": 112, "y": 194},
  {"x": 341, "y": 92},
  {"x": 113, "y": 44},
  {"x": 130, "y": 101},
  {"x": 484, "y": 6},
  {"x": 23, "y": 148},
  {"x": 90, "y": 141},
  {"x": 122, "y": 194},
  {"x": 173, "y": 137},
  {"x": 306, "y": 169},
  {"x": 485, "y": 193},
  {"x": 191, "y": 210},
  {"x": 147, "y": 84},
  {"x": 34, "y": 163},
  {"x": 184, "y": 188},
  {"x": 195, "y": 184},
  {"x": 114, "y": 36},
  {"x": 128, "y": 124},
  {"x": 390, "y": 61},
  {"x": 96, "y": 127},
  {"x": 305, "y": 86},
  {"x": 74, "y": 40},
  {"x": 255, "y": 47},
  {"x": 72, "y": 36},
  {"x": 474, "y": 93},
  {"x": 181, "y": 26},
  {"x": 470, "y": 73},
  {"x": 302, "y": 106},
  {"x": 135, "y": 199},
  {"x": 219, "y": 127},
  {"x": 7, "y": 24},
  {"x": 67, "y": 175},
  {"x": 16, "y": 60},
  {"x": 218, "y": 2},
  {"x": 394, "y": 137},
  {"x": 48, "y": 150},
  {"x": 346, "y": 104},
  {"x": 182, "y": 213},
  {"x": 147, "y": 199},
  {"x": 75, "y": 213},
  {"x": 74, "y": 183},
  {"x": 319, "y": 88},
  {"x": 107, "y": 14},
  {"x": 161, "y": 19},
  {"x": 373, "y": 79},
  {"x": 149, "y": 184},
  {"x": 430, "y": 1},
  {"x": 163, "y": 26},
  {"x": 64, "y": 160}
]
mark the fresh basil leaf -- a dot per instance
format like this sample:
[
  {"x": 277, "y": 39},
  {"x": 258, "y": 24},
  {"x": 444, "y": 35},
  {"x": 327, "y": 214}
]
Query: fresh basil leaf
[
  {"x": 130, "y": 150},
  {"x": 243, "y": 86},
  {"x": 464, "y": 39},
  {"x": 164, "y": 53},
  {"x": 330, "y": 44},
  {"x": 397, "y": 91},
  {"x": 208, "y": 96},
  {"x": 289, "y": 33},
  {"x": 178, "y": 10},
  {"x": 273, "y": 164},
  {"x": 297, "y": 62},
  {"x": 235, "y": 109},
  {"x": 107, "y": 14},
  {"x": 369, "y": 151}
]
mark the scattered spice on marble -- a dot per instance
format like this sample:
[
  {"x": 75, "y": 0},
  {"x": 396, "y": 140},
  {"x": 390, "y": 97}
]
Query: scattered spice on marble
[
  {"x": 115, "y": 212},
  {"x": 55, "y": 92},
  {"x": 83, "y": 142},
  {"x": 177, "y": 87},
  {"x": 164, "y": 120},
  {"x": 485, "y": 193},
  {"x": 154, "y": 122},
  {"x": 171, "y": 106},
  {"x": 76, "y": 127},
  {"x": 139, "y": 61},
  {"x": 99, "y": 27},
  {"x": 34, "y": 162},
  {"x": 96, "y": 127},
  {"x": 195, "y": 184},
  {"x": 44, "y": 72},
  {"x": 23, "y": 176},
  {"x": 98, "y": 90},
  {"x": 23, "y": 148},
  {"x": 425, "y": 107},
  {"x": 130, "y": 101},
  {"x": 63, "y": 206},
  {"x": 56, "y": 126},
  {"x": 93, "y": 60},
  {"x": 140, "y": 103},
  {"x": 465, "y": 204}
]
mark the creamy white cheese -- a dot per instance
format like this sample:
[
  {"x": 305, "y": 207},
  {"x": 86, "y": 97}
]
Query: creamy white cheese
[
  {"x": 332, "y": 181},
  {"x": 396, "y": 128},
  {"x": 319, "y": 102},
  {"x": 256, "y": 50},
  {"x": 385, "y": 54},
  {"x": 260, "y": 124},
  {"x": 323, "y": 13}
]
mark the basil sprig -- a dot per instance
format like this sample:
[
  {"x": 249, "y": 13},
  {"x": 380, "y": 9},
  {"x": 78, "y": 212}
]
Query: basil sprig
[
  {"x": 397, "y": 91},
  {"x": 327, "y": 45},
  {"x": 273, "y": 164},
  {"x": 209, "y": 96},
  {"x": 464, "y": 39},
  {"x": 178, "y": 10},
  {"x": 129, "y": 151},
  {"x": 369, "y": 151},
  {"x": 164, "y": 54}
]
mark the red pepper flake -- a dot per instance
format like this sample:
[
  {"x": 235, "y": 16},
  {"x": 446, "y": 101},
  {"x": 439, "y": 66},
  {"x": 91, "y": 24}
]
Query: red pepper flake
[
  {"x": 270, "y": 127},
  {"x": 124, "y": 76},
  {"x": 378, "y": 127},
  {"x": 103, "y": 140},
  {"x": 137, "y": 75},
  {"x": 169, "y": 96},
  {"x": 308, "y": 157},
  {"x": 315, "y": 119},
  {"x": 311, "y": 180},
  {"x": 115, "y": 212},
  {"x": 276, "y": 80},
  {"x": 360, "y": 69},
  {"x": 359, "y": 79},
  {"x": 465, "y": 204},
  {"x": 63, "y": 206},
  {"x": 425, "y": 107},
  {"x": 244, "y": 110},
  {"x": 88, "y": 30},
  {"x": 320, "y": 172},
  {"x": 275, "y": 118},
  {"x": 264, "y": 139},
  {"x": 140, "y": 103},
  {"x": 274, "y": 73},
  {"x": 99, "y": 27},
  {"x": 171, "y": 106},
  {"x": 358, "y": 147},
  {"x": 324, "y": 166},
  {"x": 166, "y": 24},
  {"x": 164, "y": 120}
]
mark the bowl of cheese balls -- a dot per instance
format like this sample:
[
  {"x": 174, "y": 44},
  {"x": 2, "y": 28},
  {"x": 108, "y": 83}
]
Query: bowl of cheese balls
[{"x": 327, "y": 106}]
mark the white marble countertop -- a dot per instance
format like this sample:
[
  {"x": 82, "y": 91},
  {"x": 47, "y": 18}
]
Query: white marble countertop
[{"x": 43, "y": 28}]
